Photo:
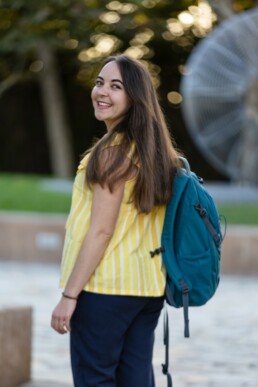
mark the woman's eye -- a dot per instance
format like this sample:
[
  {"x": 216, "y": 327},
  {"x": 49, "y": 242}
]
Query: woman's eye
[
  {"x": 116, "y": 87},
  {"x": 98, "y": 82}
]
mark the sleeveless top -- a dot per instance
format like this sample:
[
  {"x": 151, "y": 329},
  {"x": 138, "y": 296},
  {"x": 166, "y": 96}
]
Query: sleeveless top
[{"x": 126, "y": 268}]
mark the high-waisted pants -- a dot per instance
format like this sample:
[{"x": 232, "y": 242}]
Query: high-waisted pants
[{"x": 112, "y": 340}]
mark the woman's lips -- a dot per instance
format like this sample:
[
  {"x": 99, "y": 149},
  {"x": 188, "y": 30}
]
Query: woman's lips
[{"x": 103, "y": 105}]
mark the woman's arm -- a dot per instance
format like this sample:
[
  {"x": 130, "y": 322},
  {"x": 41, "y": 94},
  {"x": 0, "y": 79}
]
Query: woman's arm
[{"x": 104, "y": 214}]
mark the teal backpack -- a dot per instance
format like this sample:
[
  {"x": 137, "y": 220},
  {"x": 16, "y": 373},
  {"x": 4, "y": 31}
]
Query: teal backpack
[{"x": 191, "y": 248}]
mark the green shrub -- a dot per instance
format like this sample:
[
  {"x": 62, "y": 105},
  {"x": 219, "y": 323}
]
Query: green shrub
[{"x": 29, "y": 193}]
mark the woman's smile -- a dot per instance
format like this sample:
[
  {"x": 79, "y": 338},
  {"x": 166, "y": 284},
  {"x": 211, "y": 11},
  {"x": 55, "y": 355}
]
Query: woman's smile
[{"x": 103, "y": 105}]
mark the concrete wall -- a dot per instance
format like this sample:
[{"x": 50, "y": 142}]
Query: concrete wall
[
  {"x": 39, "y": 237},
  {"x": 15, "y": 346},
  {"x": 31, "y": 236},
  {"x": 240, "y": 250}
]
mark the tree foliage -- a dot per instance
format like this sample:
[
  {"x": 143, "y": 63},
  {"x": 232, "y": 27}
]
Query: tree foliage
[
  {"x": 86, "y": 30},
  {"x": 80, "y": 33}
]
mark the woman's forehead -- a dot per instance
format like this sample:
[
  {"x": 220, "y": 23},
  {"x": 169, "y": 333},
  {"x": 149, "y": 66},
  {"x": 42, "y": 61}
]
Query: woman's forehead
[{"x": 111, "y": 70}]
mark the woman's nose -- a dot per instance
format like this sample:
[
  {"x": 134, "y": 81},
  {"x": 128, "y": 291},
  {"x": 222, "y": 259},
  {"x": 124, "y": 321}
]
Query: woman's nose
[{"x": 103, "y": 90}]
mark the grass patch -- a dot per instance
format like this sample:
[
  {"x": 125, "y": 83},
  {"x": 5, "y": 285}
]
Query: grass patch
[
  {"x": 26, "y": 193},
  {"x": 240, "y": 213}
]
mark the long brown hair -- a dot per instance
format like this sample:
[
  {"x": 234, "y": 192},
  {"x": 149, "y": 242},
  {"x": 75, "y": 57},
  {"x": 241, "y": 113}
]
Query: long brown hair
[{"x": 144, "y": 128}]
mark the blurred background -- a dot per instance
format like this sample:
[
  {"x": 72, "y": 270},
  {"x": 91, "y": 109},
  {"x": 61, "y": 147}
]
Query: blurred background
[
  {"x": 50, "y": 52},
  {"x": 203, "y": 56}
]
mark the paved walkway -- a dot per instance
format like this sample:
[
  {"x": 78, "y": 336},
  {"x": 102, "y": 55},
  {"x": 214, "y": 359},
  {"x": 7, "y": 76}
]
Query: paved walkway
[{"x": 222, "y": 350}]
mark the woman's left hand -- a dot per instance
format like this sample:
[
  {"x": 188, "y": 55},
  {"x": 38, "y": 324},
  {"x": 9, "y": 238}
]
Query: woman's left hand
[{"x": 62, "y": 314}]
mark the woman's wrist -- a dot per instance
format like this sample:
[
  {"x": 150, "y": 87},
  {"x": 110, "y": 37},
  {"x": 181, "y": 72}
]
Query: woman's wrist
[{"x": 69, "y": 297}]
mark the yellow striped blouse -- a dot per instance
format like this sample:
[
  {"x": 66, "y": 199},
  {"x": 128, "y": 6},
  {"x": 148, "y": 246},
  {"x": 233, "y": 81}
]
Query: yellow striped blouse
[{"x": 126, "y": 267}]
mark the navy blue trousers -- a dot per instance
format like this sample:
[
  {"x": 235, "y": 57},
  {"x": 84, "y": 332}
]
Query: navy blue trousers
[{"x": 112, "y": 340}]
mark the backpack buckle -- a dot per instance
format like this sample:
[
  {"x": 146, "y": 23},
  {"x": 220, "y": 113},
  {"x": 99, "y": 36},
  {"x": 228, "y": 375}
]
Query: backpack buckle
[
  {"x": 161, "y": 249},
  {"x": 184, "y": 287},
  {"x": 201, "y": 210}
]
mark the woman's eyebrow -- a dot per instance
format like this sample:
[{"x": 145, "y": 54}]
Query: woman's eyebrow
[
  {"x": 117, "y": 80},
  {"x": 112, "y": 80}
]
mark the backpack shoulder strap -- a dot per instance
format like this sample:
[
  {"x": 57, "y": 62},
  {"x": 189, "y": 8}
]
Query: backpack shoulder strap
[{"x": 186, "y": 165}]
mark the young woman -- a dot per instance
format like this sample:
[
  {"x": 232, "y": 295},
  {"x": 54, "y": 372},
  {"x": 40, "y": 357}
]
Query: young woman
[{"x": 113, "y": 289}]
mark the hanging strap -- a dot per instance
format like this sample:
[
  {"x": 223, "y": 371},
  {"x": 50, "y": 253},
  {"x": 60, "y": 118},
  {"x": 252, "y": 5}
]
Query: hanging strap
[
  {"x": 166, "y": 343},
  {"x": 185, "y": 299}
]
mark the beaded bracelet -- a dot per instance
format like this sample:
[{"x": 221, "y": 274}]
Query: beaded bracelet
[{"x": 70, "y": 297}]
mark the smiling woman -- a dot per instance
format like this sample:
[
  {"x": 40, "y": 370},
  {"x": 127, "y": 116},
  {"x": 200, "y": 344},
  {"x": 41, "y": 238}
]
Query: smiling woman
[{"x": 113, "y": 290}]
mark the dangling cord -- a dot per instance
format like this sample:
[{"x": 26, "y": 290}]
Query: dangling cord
[{"x": 225, "y": 225}]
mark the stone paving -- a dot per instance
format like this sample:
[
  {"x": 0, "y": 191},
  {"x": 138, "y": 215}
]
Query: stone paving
[{"x": 222, "y": 350}]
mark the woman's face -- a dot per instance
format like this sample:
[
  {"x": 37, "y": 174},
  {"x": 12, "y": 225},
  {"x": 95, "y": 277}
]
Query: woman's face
[{"x": 109, "y": 98}]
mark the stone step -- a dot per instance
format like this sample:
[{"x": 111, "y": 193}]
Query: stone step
[{"x": 15, "y": 345}]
